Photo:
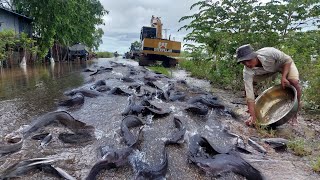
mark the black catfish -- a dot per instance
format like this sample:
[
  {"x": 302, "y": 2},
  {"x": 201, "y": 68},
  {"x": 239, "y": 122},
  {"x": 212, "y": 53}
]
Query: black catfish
[
  {"x": 133, "y": 107},
  {"x": 200, "y": 147},
  {"x": 130, "y": 122},
  {"x": 197, "y": 108},
  {"x": 77, "y": 99},
  {"x": 113, "y": 159},
  {"x": 85, "y": 92},
  {"x": 118, "y": 91},
  {"x": 77, "y": 138},
  {"x": 223, "y": 163},
  {"x": 276, "y": 143},
  {"x": 146, "y": 172},
  {"x": 150, "y": 108},
  {"x": 62, "y": 117},
  {"x": 256, "y": 145},
  {"x": 177, "y": 136},
  {"x": 21, "y": 168},
  {"x": 11, "y": 147}
]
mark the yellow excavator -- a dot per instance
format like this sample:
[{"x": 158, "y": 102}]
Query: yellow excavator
[{"x": 154, "y": 48}]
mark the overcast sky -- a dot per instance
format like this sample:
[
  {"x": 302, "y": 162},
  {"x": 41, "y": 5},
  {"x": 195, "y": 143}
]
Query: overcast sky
[{"x": 126, "y": 17}]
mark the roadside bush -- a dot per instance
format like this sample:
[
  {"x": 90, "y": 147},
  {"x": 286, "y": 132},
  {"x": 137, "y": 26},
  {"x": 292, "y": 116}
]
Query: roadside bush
[
  {"x": 8, "y": 40},
  {"x": 221, "y": 73},
  {"x": 228, "y": 74},
  {"x": 301, "y": 46},
  {"x": 197, "y": 68},
  {"x": 312, "y": 96}
]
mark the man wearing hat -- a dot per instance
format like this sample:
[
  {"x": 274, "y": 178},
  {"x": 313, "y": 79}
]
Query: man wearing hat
[{"x": 264, "y": 63}]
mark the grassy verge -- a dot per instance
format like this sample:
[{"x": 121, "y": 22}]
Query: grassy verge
[
  {"x": 104, "y": 54},
  {"x": 264, "y": 132},
  {"x": 299, "y": 147},
  {"x": 316, "y": 165},
  {"x": 199, "y": 69},
  {"x": 160, "y": 69},
  {"x": 222, "y": 74}
]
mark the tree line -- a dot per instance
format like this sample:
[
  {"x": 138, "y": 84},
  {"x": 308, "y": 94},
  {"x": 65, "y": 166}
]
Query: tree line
[{"x": 62, "y": 22}]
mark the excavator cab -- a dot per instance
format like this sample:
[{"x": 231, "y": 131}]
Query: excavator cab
[{"x": 148, "y": 32}]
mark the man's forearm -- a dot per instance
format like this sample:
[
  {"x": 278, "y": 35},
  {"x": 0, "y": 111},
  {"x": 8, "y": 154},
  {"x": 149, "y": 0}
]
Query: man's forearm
[
  {"x": 285, "y": 69},
  {"x": 251, "y": 108}
]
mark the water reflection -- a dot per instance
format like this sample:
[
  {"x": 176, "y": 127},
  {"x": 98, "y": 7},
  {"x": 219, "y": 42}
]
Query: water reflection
[{"x": 40, "y": 84}]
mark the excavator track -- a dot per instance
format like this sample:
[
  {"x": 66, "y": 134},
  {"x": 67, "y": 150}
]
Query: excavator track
[
  {"x": 151, "y": 59},
  {"x": 169, "y": 62},
  {"x": 146, "y": 60}
]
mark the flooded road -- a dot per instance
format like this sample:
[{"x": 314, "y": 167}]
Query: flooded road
[
  {"x": 19, "y": 82},
  {"x": 33, "y": 90},
  {"x": 123, "y": 87}
]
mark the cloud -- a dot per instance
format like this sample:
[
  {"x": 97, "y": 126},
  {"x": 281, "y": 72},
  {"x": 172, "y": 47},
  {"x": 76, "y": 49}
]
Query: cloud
[{"x": 126, "y": 17}]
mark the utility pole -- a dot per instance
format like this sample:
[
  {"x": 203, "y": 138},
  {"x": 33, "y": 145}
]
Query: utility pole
[{"x": 165, "y": 32}]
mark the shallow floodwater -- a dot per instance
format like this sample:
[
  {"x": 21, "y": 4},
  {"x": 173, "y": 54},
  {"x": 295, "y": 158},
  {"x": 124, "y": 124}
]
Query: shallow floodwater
[
  {"x": 49, "y": 79},
  {"x": 29, "y": 97},
  {"x": 34, "y": 89},
  {"x": 34, "y": 92}
]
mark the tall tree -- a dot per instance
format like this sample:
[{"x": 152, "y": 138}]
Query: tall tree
[
  {"x": 135, "y": 45},
  {"x": 66, "y": 22}
]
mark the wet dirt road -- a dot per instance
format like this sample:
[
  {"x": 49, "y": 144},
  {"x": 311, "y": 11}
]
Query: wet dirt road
[{"x": 105, "y": 113}]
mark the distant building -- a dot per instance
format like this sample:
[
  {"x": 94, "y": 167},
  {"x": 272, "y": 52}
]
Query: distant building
[{"x": 17, "y": 22}]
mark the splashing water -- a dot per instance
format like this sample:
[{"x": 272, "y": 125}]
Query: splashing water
[{"x": 149, "y": 119}]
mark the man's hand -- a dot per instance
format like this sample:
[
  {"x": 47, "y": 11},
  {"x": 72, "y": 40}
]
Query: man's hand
[
  {"x": 285, "y": 71},
  {"x": 251, "y": 121},
  {"x": 284, "y": 82}
]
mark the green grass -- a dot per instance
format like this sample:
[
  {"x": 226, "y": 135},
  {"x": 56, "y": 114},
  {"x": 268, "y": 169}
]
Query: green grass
[
  {"x": 160, "y": 69},
  {"x": 299, "y": 147},
  {"x": 104, "y": 54},
  {"x": 199, "y": 69},
  {"x": 222, "y": 74},
  {"x": 316, "y": 165},
  {"x": 264, "y": 132}
]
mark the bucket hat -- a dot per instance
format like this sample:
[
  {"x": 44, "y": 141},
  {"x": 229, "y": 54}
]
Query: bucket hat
[{"x": 245, "y": 52}]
